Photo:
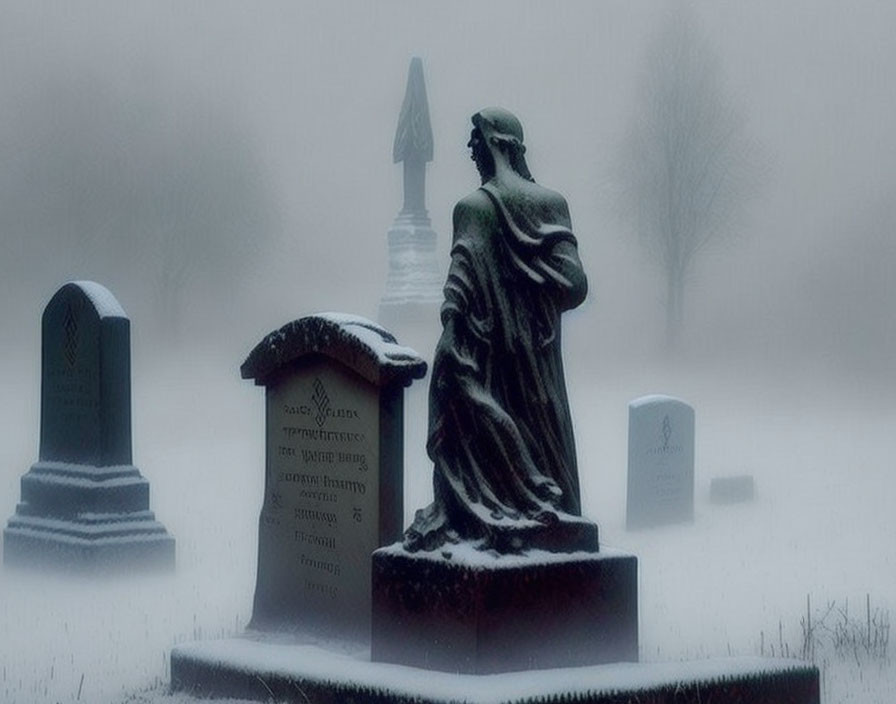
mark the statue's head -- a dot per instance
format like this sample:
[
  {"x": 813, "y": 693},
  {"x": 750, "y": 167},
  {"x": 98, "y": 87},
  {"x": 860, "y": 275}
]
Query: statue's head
[{"x": 497, "y": 133}]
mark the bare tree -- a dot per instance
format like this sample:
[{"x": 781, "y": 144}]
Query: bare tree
[{"x": 687, "y": 167}]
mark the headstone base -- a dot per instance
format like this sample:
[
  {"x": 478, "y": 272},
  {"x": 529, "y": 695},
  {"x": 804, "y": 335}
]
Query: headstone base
[
  {"x": 86, "y": 518},
  {"x": 415, "y": 273},
  {"x": 301, "y": 674},
  {"x": 480, "y": 613}
]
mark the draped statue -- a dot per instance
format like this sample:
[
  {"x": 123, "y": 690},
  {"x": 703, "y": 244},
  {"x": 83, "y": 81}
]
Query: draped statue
[{"x": 500, "y": 432}]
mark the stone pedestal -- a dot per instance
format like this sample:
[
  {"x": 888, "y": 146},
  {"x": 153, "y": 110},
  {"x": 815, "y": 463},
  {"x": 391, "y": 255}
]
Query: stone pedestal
[{"x": 477, "y": 613}]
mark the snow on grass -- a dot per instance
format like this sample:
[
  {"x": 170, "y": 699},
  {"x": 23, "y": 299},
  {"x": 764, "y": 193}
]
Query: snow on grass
[{"x": 733, "y": 582}]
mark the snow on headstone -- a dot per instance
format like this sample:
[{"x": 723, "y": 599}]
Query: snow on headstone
[
  {"x": 660, "y": 462},
  {"x": 333, "y": 476},
  {"x": 84, "y": 505}
]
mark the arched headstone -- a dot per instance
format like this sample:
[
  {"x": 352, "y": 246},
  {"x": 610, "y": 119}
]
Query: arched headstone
[
  {"x": 334, "y": 469},
  {"x": 660, "y": 462}
]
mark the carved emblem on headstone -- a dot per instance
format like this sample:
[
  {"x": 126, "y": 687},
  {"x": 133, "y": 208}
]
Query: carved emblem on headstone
[
  {"x": 321, "y": 401},
  {"x": 70, "y": 343}
]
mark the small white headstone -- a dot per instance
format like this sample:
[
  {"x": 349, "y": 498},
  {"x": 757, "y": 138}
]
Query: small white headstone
[{"x": 660, "y": 462}]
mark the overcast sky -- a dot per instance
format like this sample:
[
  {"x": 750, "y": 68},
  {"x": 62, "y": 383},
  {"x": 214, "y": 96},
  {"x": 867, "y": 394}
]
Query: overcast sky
[{"x": 285, "y": 112}]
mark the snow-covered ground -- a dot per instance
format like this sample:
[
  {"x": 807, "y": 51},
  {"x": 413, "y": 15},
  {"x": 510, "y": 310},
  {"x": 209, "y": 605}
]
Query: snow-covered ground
[{"x": 733, "y": 582}]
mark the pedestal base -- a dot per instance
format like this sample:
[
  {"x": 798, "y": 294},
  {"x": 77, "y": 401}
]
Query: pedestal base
[
  {"x": 479, "y": 613},
  {"x": 90, "y": 544},
  {"x": 308, "y": 674},
  {"x": 86, "y": 518}
]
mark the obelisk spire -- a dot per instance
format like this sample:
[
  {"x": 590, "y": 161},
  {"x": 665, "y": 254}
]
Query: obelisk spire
[{"x": 413, "y": 144}]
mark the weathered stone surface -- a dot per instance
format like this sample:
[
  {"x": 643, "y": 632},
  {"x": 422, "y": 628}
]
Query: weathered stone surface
[
  {"x": 660, "y": 462},
  {"x": 333, "y": 477},
  {"x": 481, "y": 613},
  {"x": 84, "y": 505},
  {"x": 355, "y": 342}
]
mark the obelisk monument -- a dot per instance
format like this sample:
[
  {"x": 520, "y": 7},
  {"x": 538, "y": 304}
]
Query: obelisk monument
[
  {"x": 410, "y": 306},
  {"x": 414, "y": 283}
]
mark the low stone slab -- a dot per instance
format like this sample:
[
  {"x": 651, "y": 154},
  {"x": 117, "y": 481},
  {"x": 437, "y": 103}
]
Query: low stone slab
[
  {"x": 732, "y": 490},
  {"x": 309, "y": 674},
  {"x": 480, "y": 613}
]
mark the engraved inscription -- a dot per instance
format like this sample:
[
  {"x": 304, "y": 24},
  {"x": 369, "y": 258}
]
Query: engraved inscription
[{"x": 321, "y": 515}]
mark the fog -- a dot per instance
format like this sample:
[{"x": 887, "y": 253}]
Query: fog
[
  {"x": 226, "y": 167},
  {"x": 257, "y": 138}
]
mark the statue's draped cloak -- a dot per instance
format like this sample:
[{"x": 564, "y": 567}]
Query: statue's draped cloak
[{"x": 500, "y": 432}]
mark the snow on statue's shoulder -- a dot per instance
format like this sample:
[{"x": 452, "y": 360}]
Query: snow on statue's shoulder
[
  {"x": 358, "y": 343},
  {"x": 106, "y": 305}
]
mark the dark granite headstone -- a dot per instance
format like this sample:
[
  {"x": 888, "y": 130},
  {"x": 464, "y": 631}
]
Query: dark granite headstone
[
  {"x": 333, "y": 478},
  {"x": 84, "y": 505},
  {"x": 660, "y": 462}
]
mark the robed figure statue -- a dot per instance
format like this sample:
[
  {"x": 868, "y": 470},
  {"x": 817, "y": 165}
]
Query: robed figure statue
[{"x": 500, "y": 432}]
